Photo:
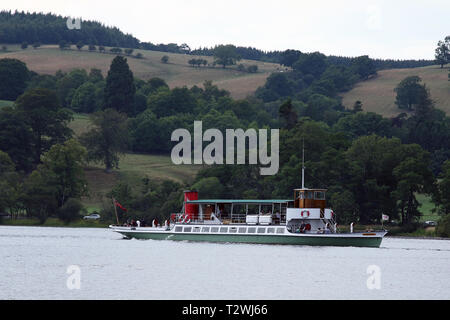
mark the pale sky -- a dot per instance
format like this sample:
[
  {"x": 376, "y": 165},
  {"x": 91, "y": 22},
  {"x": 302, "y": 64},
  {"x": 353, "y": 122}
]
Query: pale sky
[{"x": 398, "y": 29}]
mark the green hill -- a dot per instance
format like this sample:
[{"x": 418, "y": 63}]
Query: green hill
[
  {"x": 132, "y": 169},
  {"x": 377, "y": 94},
  {"x": 177, "y": 72}
]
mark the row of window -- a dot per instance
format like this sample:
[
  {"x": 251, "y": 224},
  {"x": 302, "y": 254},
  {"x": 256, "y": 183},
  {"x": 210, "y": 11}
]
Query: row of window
[{"x": 229, "y": 229}]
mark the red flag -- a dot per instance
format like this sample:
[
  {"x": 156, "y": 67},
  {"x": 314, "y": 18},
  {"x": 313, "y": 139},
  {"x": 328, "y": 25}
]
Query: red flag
[{"x": 120, "y": 206}]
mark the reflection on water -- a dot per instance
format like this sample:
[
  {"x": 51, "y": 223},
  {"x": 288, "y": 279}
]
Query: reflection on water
[{"x": 34, "y": 262}]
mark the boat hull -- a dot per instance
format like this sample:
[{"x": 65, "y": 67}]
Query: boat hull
[{"x": 353, "y": 239}]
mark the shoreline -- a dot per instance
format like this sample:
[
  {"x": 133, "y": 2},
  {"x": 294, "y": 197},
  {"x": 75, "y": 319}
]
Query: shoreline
[{"x": 52, "y": 222}]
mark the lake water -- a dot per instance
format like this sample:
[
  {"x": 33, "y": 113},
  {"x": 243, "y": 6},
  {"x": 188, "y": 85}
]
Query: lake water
[{"x": 34, "y": 264}]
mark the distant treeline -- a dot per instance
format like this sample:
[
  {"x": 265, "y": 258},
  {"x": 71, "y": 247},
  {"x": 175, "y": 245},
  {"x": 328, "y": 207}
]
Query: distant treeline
[
  {"x": 245, "y": 53},
  {"x": 384, "y": 63},
  {"x": 20, "y": 27}
]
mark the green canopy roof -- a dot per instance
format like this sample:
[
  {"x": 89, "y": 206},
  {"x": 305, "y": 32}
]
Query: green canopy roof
[{"x": 239, "y": 201}]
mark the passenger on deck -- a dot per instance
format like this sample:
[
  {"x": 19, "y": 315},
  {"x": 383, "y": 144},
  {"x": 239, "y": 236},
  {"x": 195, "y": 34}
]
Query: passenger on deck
[
  {"x": 277, "y": 217},
  {"x": 302, "y": 227},
  {"x": 138, "y": 223},
  {"x": 319, "y": 230}
]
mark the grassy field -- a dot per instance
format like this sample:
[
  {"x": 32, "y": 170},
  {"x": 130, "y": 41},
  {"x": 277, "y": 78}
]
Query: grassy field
[
  {"x": 426, "y": 208},
  {"x": 177, "y": 72},
  {"x": 5, "y": 103},
  {"x": 377, "y": 94},
  {"x": 132, "y": 169}
]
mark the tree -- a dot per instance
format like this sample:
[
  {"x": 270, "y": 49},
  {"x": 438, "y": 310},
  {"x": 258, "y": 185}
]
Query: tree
[
  {"x": 413, "y": 176},
  {"x": 65, "y": 162},
  {"x": 156, "y": 83},
  {"x": 410, "y": 92},
  {"x": 95, "y": 75},
  {"x": 444, "y": 189},
  {"x": 128, "y": 51},
  {"x": 108, "y": 139},
  {"x": 7, "y": 170},
  {"x": 41, "y": 110},
  {"x": 84, "y": 99},
  {"x": 252, "y": 69},
  {"x": 59, "y": 178},
  {"x": 120, "y": 88},
  {"x": 442, "y": 52},
  {"x": 39, "y": 195},
  {"x": 116, "y": 50},
  {"x": 313, "y": 64},
  {"x": 11, "y": 187},
  {"x": 24, "y": 45},
  {"x": 36, "y": 45},
  {"x": 14, "y": 75},
  {"x": 169, "y": 102},
  {"x": 68, "y": 84},
  {"x": 385, "y": 176},
  {"x": 209, "y": 187},
  {"x": 185, "y": 48},
  {"x": 287, "y": 113},
  {"x": 364, "y": 67},
  {"x": 71, "y": 210},
  {"x": 92, "y": 47},
  {"x": 16, "y": 139},
  {"x": 289, "y": 57},
  {"x": 357, "y": 106},
  {"x": 165, "y": 59},
  {"x": 226, "y": 55}
]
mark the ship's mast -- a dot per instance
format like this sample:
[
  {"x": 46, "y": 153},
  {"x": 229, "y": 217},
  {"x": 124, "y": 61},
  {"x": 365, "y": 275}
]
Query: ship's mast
[{"x": 303, "y": 165}]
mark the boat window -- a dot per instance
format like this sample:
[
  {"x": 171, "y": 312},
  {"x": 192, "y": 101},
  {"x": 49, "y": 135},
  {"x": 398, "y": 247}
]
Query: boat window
[
  {"x": 251, "y": 230},
  {"x": 214, "y": 229},
  {"x": 280, "y": 230},
  {"x": 233, "y": 230},
  {"x": 223, "y": 229},
  {"x": 301, "y": 195},
  {"x": 196, "y": 229},
  {"x": 270, "y": 230},
  {"x": 319, "y": 195},
  {"x": 187, "y": 229},
  {"x": 242, "y": 230},
  {"x": 261, "y": 230},
  {"x": 309, "y": 195},
  {"x": 205, "y": 229},
  {"x": 178, "y": 229}
]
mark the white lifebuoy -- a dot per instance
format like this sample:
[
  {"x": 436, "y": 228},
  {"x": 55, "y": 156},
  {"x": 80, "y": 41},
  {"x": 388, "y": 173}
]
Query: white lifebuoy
[{"x": 305, "y": 211}]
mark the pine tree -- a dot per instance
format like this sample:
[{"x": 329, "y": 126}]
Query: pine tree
[{"x": 120, "y": 88}]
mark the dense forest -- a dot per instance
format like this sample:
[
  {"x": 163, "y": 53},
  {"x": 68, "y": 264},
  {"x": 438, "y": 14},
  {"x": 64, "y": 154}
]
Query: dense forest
[
  {"x": 371, "y": 165},
  {"x": 39, "y": 28}
]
